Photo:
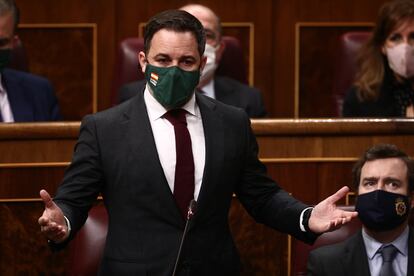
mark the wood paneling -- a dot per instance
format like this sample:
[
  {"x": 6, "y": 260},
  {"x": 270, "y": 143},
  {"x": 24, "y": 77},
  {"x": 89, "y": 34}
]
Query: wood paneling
[
  {"x": 317, "y": 54},
  {"x": 24, "y": 250},
  {"x": 72, "y": 75},
  {"x": 309, "y": 158}
]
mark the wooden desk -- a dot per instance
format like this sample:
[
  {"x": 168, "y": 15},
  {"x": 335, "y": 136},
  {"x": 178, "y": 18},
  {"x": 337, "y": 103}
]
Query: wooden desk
[{"x": 311, "y": 158}]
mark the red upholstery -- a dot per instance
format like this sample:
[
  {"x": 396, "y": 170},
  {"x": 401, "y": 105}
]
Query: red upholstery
[
  {"x": 127, "y": 68},
  {"x": 232, "y": 63},
  {"x": 300, "y": 250},
  {"x": 345, "y": 68},
  {"x": 86, "y": 249}
]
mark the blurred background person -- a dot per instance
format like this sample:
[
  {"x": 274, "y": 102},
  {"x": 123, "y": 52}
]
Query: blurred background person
[
  {"x": 24, "y": 97},
  {"x": 223, "y": 89},
  {"x": 385, "y": 77}
]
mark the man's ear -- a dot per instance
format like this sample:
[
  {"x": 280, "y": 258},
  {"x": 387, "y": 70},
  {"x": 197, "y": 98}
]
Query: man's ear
[
  {"x": 142, "y": 59},
  {"x": 203, "y": 62},
  {"x": 220, "y": 51},
  {"x": 15, "y": 41}
]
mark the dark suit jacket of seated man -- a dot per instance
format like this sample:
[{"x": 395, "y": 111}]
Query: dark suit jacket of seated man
[
  {"x": 227, "y": 90},
  {"x": 31, "y": 97}
]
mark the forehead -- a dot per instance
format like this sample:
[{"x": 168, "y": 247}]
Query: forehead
[
  {"x": 174, "y": 44},
  {"x": 382, "y": 168}
]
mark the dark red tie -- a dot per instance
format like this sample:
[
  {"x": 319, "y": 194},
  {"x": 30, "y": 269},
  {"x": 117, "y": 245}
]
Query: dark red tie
[{"x": 184, "y": 168}]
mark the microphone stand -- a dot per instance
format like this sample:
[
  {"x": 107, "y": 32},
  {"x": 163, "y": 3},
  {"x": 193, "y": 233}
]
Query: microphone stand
[{"x": 190, "y": 214}]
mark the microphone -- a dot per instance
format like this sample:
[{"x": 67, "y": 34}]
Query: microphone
[{"x": 190, "y": 213}]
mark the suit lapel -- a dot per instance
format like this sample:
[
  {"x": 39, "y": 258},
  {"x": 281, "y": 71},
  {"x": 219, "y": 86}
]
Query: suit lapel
[
  {"x": 355, "y": 261},
  {"x": 213, "y": 133},
  {"x": 143, "y": 157},
  {"x": 21, "y": 109}
]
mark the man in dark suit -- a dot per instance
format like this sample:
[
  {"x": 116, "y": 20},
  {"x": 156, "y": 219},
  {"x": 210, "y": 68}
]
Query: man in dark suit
[
  {"x": 221, "y": 88},
  {"x": 384, "y": 177},
  {"x": 23, "y": 97},
  {"x": 131, "y": 154}
]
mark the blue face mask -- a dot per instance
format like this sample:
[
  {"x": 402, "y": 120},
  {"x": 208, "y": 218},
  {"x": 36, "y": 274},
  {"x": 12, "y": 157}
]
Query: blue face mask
[{"x": 381, "y": 211}]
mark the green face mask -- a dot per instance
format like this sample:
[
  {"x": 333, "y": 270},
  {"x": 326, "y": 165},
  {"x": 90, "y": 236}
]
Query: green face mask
[
  {"x": 4, "y": 58},
  {"x": 172, "y": 87}
]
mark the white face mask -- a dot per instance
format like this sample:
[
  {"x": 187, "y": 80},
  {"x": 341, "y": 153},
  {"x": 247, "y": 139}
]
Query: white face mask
[
  {"x": 211, "y": 65},
  {"x": 401, "y": 59}
]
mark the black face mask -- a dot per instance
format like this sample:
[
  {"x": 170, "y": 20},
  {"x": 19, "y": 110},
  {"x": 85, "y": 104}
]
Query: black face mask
[{"x": 381, "y": 211}]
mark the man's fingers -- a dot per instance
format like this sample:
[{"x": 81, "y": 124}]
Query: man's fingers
[
  {"x": 338, "y": 195},
  {"x": 47, "y": 199}
]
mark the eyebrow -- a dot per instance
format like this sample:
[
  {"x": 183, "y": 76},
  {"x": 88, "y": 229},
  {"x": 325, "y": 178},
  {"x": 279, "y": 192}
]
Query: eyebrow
[{"x": 371, "y": 178}]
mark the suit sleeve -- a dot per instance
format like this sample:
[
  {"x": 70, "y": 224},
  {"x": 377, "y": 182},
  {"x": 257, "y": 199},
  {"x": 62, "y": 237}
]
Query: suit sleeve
[
  {"x": 265, "y": 201},
  {"x": 83, "y": 180},
  {"x": 54, "y": 110},
  {"x": 258, "y": 107}
]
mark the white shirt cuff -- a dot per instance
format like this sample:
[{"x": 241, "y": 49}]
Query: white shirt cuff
[
  {"x": 302, "y": 227},
  {"x": 68, "y": 224}
]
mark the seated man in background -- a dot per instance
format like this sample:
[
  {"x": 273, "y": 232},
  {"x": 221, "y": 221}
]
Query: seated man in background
[
  {"x": 384, "y": 178},
  {"x": 23, "y": 97},
  {"x": 223, "y": 89}
]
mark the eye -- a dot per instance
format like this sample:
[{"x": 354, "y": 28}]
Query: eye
[
  {"x": 394, "y": 184},
  {"x": 369, "y": 183},
  {"x": 187, "y": 63},
  {"x": 161, "y": 60},
  {"x": 395, "y": 38}
]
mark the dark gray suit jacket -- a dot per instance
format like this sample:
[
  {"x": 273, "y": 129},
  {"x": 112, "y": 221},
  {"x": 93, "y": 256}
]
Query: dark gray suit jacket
[
  {"x": 349, "y": 258},
  {"x": 228, "y": 91},
  {"x": 116, "y": 156}
]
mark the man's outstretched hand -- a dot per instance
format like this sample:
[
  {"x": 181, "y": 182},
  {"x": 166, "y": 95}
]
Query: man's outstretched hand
[
  {"x": 52, "y": 222},
  {"x": 327, "y": 217}
]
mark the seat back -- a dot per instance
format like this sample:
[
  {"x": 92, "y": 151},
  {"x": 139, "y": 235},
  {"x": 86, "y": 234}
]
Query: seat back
[
  {"x": 346, "y": 65},
  {"x": 300, "y": 250},
  {"x": 86, "y": 249},
  {"x": 127, "y": 68}
]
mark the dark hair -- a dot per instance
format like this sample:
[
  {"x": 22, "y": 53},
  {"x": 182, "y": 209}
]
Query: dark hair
[
  {"x": 373, "y": 65},
  {"x": 178, "y": 21},
  {"x": 9, "y": 6},
  {"x": 384, "y": 151}
]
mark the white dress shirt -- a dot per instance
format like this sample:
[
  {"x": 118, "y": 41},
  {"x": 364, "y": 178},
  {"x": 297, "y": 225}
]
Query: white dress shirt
[
  {"x": 164, "y": 137},
  {"x": 5, "y": 109},
  {"x": 400, "y": 263}
]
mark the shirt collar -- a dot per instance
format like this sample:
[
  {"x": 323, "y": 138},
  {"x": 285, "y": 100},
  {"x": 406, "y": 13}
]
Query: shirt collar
[
  {"x": 156, "y": 110},
  {"x": 372, "y": 245}
]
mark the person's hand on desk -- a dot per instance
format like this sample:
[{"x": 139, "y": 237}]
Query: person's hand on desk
[
  {"x": 327, "y": 217},
  {"x": 52, "y": 222}
]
